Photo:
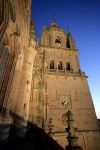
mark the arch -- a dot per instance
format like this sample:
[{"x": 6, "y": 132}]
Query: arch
[
  {"x": 68, "y": 66},
  {"x": 58, "y": 40},
  {"x": 52, "y": 64},
  {"x": 60, "y": 67}
]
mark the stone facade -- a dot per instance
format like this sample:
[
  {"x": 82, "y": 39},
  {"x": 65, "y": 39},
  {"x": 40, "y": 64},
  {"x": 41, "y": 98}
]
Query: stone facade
[
  {"x": 17, "y": 50},
  {"x": 39, "y": 83},
  {"x": 60, "y": 85}
]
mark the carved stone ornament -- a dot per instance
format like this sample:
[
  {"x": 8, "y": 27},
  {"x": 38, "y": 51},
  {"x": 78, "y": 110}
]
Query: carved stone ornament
[
  {"x": 42, "y": 85},
  {"x": 64, "y": 100},
  {"x": 37, "y": 67}
]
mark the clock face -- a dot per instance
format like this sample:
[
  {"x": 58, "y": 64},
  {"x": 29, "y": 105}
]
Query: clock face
[{"x": 64, "y": 100}]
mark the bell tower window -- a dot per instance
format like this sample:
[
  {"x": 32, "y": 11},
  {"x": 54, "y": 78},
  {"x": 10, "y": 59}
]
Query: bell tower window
[
  {"x": 60, "y": 65},
  {"x": 68, "y": 43},
  {"x": 68, "y": 66},
  {"x": 52, "y": 64},
  {"x": 58, "y": 40}
]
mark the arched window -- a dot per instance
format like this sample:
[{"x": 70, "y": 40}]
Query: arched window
[
  {"x": 60, "y": 65},
  {"x": 52, "y": 64},
  {"x": 58, "y": 40},
  {"x": 68, "y": 66}
]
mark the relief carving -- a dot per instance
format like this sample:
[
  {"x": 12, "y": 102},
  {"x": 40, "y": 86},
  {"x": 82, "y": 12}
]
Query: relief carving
[
  {"x": 37, "y": 67},
  {"x": 64, "y": 100}
]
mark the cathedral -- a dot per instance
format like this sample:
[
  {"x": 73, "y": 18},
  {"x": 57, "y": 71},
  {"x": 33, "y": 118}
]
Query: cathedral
[{"x": 40, "y": 82}]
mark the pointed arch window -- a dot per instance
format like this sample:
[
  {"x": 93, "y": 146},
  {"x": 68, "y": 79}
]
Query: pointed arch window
[
  {"x": 68, "y": 66},
  {"x": 60, "y": 65},
  {"x": 52, "y": 64}
]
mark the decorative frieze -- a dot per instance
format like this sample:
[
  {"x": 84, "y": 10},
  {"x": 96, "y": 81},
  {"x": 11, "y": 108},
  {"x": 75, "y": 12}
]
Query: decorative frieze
[
  {"x": 65, "y": 100},
  {"x": 42, "y": 85}
]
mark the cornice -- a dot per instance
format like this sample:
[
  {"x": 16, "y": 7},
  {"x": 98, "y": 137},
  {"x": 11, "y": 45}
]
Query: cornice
[{"x": 53, "y": 48}]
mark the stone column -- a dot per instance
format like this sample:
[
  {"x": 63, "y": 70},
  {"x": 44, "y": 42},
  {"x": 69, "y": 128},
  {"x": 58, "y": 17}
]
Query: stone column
[{"x": 24, "y": 91}]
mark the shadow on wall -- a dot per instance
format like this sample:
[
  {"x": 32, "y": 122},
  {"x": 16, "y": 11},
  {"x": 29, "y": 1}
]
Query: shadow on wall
[{"x": 22, "y": 138}]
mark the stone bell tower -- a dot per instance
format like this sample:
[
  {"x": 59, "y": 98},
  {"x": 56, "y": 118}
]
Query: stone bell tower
[{"x": 60, "y": 85}]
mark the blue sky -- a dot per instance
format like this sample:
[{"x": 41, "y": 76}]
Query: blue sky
[{"x": 82, "y": 17}]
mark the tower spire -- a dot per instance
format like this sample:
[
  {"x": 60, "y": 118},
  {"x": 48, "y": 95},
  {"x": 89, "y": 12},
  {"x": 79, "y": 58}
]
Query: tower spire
[
  {"x": 68, "y": 31},
  {"x": 53, "y": 23},
  {"x": 53, "y": 19}
]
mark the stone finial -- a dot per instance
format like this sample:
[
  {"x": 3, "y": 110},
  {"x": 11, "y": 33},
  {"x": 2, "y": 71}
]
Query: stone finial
[
  {"x": 72, "y": 138},
  {"x": 70, "y": 41},
  {"x": 53, "y": 23}
]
